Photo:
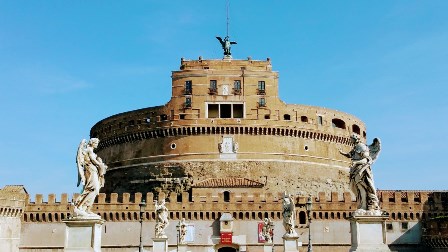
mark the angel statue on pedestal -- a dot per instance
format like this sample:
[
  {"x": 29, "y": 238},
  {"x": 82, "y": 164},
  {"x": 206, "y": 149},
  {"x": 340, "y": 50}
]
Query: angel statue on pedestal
[
  {"x": 361, "y": 177},
  {"x": 161, "y": 218},
  {"x": 91, "y": 170},
  {"x": 289, "y": 211}
]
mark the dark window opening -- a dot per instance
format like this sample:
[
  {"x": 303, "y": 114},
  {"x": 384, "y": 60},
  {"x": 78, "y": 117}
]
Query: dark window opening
[
  {"x": 227, "y": 249},
  {"x": 163, "y": 117},
  {"x": 226, "y": 196},
  {"x": 261, "y": 87},
  {"x": 302, "y": 217},
  {"x": 213, "y": 110},
  {"x": 262, "y": 102},
  {"x": 304, "y": 119},
  {"x": 238, "y": 111},
  {"x": 356, "y": 129},
  {"x": 389, "y": 226},
  {"x": 182, "y": 116},
  {"x": 188, "y": 102},
  {"x": 237, "y": 87},
  {"x": 226, "y": 111},
  {"x": 188, "y": 87},
  {"x": 286, "y": 117},
  {"x": 405, "y": 225},
  {"x": 338, "y": 123},
  {"x": 213, "y": 87},
  {"x": 267, "y": 116}
]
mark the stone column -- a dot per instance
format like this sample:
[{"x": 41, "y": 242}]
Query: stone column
[
  {"x": 160, "y": 244},
  {"x": 83, "y": 235},
  {"x": 368, "y": 233},
  {"x": 291, "y": 243}
]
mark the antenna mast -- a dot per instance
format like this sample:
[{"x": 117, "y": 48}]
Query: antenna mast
[
  {"x": 227, "y": 12},
  {"x": 226, "y": 43}
]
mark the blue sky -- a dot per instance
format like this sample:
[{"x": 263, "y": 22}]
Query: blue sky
[{"x": 64, "y": 65}]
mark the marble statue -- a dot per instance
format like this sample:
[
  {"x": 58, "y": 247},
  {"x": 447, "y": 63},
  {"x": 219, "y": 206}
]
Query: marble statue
[
  {"x": 268, "y": 230},
  {"x": 182, "y": 231},
  {"x": 161, "y": 218},
  {"x": 361, "y": 177},
  {"x": 226, "y": 43},
  {"x": 289, "y": 216},
  {"x": 91, "y": 170}
]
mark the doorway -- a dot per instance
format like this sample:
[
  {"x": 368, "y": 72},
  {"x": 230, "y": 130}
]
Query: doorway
[{"x": 227, "y": 249}]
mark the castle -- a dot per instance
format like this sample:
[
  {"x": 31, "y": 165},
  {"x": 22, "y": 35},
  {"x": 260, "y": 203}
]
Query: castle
[{"x": 224, "y": 145}]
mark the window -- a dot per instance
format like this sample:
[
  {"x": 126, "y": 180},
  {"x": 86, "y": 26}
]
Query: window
[
  {"x": 261, "y": 87},
  {"x": 302, "y": 217},
  {"x": 188, "y": 87},
  {"x": 225, "y": 110},
  {"x": 286, "y": 117},
  {"x": 262, "y": 102},
  {"x": 213, "y": 110},
  {"x": 405, "y": 225},
  {"x": 213, "y": 87},
  {"x": 389, "y": 227},
  {"x": 237, "y": 87},
  {"x": 304, "y": 119},
  {"x": 319, "y": 120},
  {"x": 338, "y": 123},
  {"x": 226, "y": 196},
  {"x": 188, "y": 102},
  {"x": 356, "y": 129}
]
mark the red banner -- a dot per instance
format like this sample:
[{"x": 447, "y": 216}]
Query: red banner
[
  {"x": 260, "y": 232},
  {"x": 226, "y": 238}
]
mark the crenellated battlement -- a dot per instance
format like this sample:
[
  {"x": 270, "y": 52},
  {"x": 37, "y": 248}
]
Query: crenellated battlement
[{"x": 125, "y": 207}]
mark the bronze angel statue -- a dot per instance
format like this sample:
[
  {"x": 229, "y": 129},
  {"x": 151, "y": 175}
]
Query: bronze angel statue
[
  {"x": 91, "y": 170},
  {"x": 361, "y": 177},
  {"x": 225, "y": 43}
]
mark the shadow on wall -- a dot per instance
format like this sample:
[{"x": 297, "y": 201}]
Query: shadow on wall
[
  {"x": 427, "y": 232},
  {"x": 435, "y": 222}
]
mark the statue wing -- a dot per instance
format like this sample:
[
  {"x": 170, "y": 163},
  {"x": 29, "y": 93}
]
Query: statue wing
[
  {"x": 375, "y": 149},
  {"x": 220, "y": 41},
  {"x": 80, "y": 160}
]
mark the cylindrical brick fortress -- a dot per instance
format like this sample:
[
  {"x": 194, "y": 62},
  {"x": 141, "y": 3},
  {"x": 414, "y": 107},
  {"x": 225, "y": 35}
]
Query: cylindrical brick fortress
[{"x": 225, "y": 120}]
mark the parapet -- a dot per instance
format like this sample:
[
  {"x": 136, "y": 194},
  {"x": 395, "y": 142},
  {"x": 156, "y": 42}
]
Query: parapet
[{"x": 408, "y": 205}]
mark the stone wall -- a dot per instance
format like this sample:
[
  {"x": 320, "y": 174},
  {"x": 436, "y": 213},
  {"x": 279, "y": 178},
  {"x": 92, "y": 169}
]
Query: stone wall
[{"x": 12, "y": 204}]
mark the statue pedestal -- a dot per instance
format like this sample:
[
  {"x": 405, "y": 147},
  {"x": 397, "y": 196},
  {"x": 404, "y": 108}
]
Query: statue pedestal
[
  {"x": 182, "y": 248},
  {"x": 160, "y": 244},
  {"x": 83, "y": 235},
  {"x": 291, "y": 244},
  {"x": 368, "y": 233},
  {"x": 267, "y": 247}
]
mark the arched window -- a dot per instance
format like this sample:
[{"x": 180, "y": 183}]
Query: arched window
[
  {"x": 226, "y": 196},
  {"x": 356, "y": 129},
  {"x": 338, "y": 123}
]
